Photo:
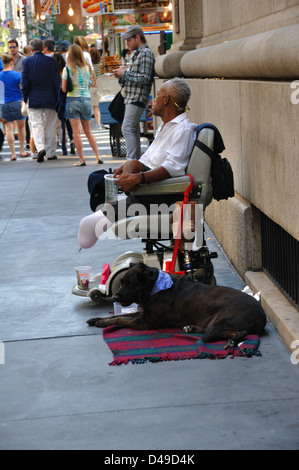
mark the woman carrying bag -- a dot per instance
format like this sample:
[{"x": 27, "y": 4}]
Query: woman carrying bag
[{"x": 78, "y": 102}]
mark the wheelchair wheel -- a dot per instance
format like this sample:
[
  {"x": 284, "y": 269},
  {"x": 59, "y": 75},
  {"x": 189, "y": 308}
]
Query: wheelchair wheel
[
  {"x": 115, "y": 283},
  {"x": 96, "y": 295},
  {"x": 205, "y": 274},
  {"x": 117, "y": 141}
]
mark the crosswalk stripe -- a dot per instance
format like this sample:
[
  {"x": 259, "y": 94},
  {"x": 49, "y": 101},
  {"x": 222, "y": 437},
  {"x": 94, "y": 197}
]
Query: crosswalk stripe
[{"x": 102, "y": 138}]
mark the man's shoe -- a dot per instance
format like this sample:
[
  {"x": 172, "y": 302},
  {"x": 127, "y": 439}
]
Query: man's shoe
[
  {"x": 52, "y": 158},
  {"x": 40, "y": 156}
]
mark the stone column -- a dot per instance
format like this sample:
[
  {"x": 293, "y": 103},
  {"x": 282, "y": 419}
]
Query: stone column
[
  {"x": 187, "y": 24},
  {"x": 187, "y": 33}
]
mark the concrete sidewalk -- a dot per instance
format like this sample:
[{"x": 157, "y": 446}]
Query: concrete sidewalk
[{"x": 56, "y": 387}]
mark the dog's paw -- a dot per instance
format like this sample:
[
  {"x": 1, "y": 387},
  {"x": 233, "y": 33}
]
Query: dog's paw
[
  {"x": 92, "y": 321},
  {"x": 188, "y": 328}
]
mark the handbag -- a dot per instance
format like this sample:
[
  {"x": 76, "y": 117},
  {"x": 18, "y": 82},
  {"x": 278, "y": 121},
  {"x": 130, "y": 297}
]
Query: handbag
[
  {"x": 69, "y": 83},
  {"x": 117, "y": 107},
  {"x": 24, "y": 109}
]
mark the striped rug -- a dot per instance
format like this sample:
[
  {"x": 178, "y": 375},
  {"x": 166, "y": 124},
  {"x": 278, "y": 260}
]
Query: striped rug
[{"x": 138, "y": 347}]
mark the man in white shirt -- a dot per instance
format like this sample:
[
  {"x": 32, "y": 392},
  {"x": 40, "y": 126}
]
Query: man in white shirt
[
  {"x": 169, "y": 153},
  {"x": 167, "y": 156}
]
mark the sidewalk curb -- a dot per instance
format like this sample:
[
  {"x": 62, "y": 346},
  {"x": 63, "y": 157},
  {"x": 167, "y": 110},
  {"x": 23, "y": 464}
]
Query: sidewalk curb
[{"x": 283, "y": 316}]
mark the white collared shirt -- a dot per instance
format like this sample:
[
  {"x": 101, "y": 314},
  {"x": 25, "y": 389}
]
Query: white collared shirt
[{"x": 172, "y": 146}]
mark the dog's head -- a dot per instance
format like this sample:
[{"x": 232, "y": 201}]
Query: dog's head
[{"x": 136, "y": 285}]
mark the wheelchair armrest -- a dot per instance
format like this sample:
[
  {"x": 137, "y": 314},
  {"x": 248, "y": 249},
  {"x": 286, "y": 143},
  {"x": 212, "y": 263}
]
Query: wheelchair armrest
[{"x": 170, "y": 186}]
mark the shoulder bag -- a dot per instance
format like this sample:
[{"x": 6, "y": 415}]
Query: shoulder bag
[
  {"x": 69, "y": 83},
  {"x": 117, "y": 107}
]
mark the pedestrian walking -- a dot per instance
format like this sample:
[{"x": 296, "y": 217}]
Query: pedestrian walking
[
  {"x": 49, "y": 47},
  {"x": 136, "y": 81},
  {"x": 18, "y": 58},
  {"x": 95, "y": 90},
  {"x": 11, "y": 108},
  {"x": 40, "y": 86},
  {"x": 78, "y": 102}
]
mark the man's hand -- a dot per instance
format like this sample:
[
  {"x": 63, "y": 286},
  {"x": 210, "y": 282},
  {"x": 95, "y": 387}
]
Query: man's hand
[
  {"x": 128, "y": 182},
  {"x": 118, "y": 73},
  {"x": 118, "y": 171}
]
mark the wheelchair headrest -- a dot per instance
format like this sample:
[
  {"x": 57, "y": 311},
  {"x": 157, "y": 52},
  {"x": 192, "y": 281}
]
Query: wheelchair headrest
[{"x": 218, "y": 141}]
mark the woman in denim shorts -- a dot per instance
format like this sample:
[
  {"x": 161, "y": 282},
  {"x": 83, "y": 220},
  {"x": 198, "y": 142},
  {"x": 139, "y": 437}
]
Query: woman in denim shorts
[
  {"x": 78, "y": 103},
  {"x": 10, "y": 81}
]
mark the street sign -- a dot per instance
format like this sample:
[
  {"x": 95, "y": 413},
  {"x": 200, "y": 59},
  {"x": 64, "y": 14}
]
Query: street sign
[{"x": 14, "y": 33}]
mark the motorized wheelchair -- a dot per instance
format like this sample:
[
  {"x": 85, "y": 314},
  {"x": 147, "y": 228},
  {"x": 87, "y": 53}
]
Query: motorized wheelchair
[{"x": 167, "y": 244}]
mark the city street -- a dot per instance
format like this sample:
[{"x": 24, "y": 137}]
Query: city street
[{"x": 57, "y": 389}]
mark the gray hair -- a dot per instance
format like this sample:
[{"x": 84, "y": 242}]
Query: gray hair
[
  {"x": 179, "y": 90},
  {"x": 36, "y": 44}
]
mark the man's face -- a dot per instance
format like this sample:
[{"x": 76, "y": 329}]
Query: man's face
[
  {"x": 133, "y": 42},
  {"x": 159, "y": 102},
  {"x": 13, "y": 49}
]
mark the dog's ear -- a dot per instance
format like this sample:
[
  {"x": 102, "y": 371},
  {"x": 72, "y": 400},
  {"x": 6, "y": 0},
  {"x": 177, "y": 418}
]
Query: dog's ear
[
  {"x": 131, "y": 265},
  {"x": 152, "y": 275},
  {"x": 140, "y": 265}
]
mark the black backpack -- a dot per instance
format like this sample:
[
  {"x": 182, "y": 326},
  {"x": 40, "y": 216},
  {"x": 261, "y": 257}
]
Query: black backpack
[{"x": 221, "y": 170}]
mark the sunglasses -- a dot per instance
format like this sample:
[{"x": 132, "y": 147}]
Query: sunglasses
[{"x": 12, "y": 47}]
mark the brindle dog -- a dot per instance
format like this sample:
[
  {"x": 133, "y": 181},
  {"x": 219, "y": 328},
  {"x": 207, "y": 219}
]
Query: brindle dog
[{"x": 220, "y": 313}]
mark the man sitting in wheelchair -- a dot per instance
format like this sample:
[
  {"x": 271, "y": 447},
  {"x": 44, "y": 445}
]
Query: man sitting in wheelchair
[{"x": 167, "y": 157}]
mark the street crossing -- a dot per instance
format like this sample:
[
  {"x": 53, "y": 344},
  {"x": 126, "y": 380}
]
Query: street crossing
[{"x": 103, "y": 140}]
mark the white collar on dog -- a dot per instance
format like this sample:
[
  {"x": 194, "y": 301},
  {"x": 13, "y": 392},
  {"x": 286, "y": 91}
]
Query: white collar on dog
[{"x": 163, "y": 282}]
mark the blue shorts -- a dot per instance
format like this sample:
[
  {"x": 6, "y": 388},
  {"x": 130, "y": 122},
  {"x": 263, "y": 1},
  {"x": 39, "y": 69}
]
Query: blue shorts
[
  {"x": 12, "y": 111},
  {"x": 78, "y": 108}
]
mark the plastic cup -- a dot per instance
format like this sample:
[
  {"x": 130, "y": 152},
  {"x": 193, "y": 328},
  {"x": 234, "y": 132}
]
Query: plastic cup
[
  {"x": 83, "y": 276},
  {"x": 117, "y": 308},
  {"x": 111, "y": 189}
]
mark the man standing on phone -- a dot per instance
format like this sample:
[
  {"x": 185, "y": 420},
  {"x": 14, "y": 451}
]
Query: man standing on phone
[{"x": 136, "y": 81}]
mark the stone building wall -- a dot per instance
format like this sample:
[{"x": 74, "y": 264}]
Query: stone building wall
[{"x": 241, "y": 59}]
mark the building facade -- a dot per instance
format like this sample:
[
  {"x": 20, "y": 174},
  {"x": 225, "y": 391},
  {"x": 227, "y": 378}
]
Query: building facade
[
  {"x": 241, "y": 59},
  {"x": 13, "y": 23}
]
